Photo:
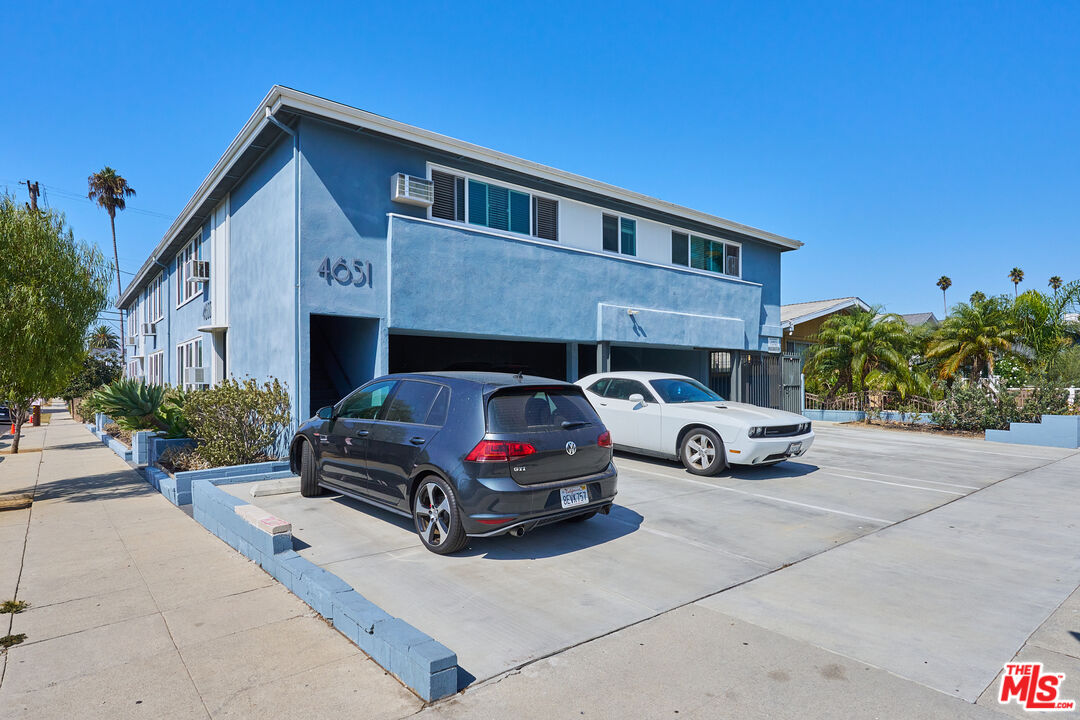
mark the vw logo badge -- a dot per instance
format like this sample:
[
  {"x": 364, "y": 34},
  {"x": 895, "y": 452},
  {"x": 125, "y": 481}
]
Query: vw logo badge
[{"x": 571, "y": 448}]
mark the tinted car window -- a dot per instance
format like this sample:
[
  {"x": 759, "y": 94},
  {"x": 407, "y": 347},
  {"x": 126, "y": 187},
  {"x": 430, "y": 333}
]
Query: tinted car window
[
  {"x": 437, "y": 414},
  {"x": 366, "y": 402},
  {"x": 538, "y": 411},
  {"x": 680, "y": 390},
  {"x": 599, "y": 386},
  {"x": 622, "y": 389},
  {"x": 412, "y": 402}
]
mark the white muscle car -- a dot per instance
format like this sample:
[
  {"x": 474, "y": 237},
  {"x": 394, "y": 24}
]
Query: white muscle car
[{"x": 676, "y": 417}]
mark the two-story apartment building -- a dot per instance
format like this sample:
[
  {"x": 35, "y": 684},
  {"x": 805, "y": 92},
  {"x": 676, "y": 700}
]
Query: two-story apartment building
[{"x": 329, "y": 245}]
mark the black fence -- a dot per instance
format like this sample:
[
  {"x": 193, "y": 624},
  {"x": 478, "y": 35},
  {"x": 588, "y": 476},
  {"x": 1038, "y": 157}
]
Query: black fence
[{"x": 764, "y": 379}]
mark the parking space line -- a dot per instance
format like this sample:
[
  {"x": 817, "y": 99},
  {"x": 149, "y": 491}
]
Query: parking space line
[
  {"x": 698, "y": 544},
  {"x": 949, "y": 446},
  {"x": 899, "y": 477},
  {"x": 886, "y": 482},
  {"x": 769, "y": 497}
]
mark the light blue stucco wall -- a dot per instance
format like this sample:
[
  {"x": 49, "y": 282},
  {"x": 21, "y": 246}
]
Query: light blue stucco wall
[
  {"x": 262, "y": 340},
  {"x": 462, "y": 282}
]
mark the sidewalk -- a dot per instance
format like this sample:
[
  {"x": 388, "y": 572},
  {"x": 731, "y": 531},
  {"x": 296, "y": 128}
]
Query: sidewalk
[{"x": 137, "y": 611}]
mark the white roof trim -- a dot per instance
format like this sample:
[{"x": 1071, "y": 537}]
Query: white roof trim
[
  {"x": 852, "y": 302},
  {"x": 282, "y": 96}
]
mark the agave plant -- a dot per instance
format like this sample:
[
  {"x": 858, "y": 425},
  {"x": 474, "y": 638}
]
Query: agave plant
[{"x": 133, "y": 404}]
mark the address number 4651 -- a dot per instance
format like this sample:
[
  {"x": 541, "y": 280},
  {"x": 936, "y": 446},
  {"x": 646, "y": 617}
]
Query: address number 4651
[{"x": 346, "y": 272}]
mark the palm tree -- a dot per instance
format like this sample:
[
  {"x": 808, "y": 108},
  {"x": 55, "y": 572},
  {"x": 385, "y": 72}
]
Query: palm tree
[
  {"x": 977, "y": 297},
  {"x": 973, "y": 336},
  {"x": 110, "y": 191},
  {"x": 852, "y": 346},
  {"x": 102, "y": 337},
  {"x": 1017, "y": 277},
  {"x": 944, "y": 282},
  {"x": 1055, "y": 282}
]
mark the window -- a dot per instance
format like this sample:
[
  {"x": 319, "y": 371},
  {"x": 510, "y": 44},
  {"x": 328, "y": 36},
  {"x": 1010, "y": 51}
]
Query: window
[
  {"x": 133, "y": 368},
  {"x": 684, "y": 390},
  {"x": 449, "y": 196},
  {"x": 365, "y": 403},
  {"x": 155, "y": 368},
  {"x": 192, "y": 251},
  {"x": 498, "y": 208},
  {"x": 546, "y": 218},
  {"x": 133, "y": 319},
  {"x": 705, "y": 254},
  {"x": 680, "y": 248},
  {"x": 623, "y": 388},
  {"x": 413, "y": 402},
  {"x": 538, "y": 411},
  {"x": 599, "y": 386},
  {"x": 153, "y": 300},
  {"x": 620, "y": 235},
  {"x": 189, "y": 356},
  {"x": 494, "y": 206}
]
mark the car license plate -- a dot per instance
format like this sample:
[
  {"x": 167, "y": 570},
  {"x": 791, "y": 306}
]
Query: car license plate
[
  {"x": 574, "y": 496},
  {"x": 794, "y": 448}
]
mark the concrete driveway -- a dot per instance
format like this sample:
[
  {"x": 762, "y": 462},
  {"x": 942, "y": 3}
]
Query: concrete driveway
[{"x": 674, "y": 539}]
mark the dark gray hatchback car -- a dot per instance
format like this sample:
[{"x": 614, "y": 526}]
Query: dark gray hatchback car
[{"x": 462, "y": 453}]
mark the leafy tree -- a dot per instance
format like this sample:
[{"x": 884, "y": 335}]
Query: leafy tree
[
  {"x": 972, "y": 337},
  {"x": 944, "y": 283},
  {"x": 103, "y": 337},
  {"x": 1016, "y": 275},
  {"x": 1040, "y": 322},
  {"x": 110, "y": 191},
  {"x": 852, "y": 346},
  {"x": 53, "y": 288},
  {"x": 99, "y": 368}
]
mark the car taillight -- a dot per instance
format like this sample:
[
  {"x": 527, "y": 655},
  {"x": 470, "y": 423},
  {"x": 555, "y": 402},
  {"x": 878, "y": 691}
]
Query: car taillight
[
  {"x": 498, "y": 450},
  {"x": 604, "y": 440}
]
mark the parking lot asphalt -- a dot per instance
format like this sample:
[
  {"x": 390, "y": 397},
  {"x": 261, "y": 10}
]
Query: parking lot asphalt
[{"x": 937, "y": 597}]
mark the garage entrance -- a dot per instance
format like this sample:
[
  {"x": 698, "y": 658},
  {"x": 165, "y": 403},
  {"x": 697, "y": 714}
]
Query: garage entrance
[
  {"x": 692, "y": 363},
  {"x": 343, "y": 352},
  {"x": 420, "y": 353}
]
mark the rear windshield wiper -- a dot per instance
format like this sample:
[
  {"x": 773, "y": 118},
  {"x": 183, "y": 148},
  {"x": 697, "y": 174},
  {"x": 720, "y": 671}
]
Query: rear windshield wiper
[{"x": 567, "y": 424}]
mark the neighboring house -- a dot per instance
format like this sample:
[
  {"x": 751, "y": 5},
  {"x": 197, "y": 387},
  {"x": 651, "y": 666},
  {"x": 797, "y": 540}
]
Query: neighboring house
[
  {"x": 330, "y": 245},
  {"x": 801, "y": 321},
  {"x": 919, "y": 319}
]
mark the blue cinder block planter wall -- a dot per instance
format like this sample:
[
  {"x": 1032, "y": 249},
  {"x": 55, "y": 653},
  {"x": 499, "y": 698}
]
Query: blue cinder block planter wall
[
  {"x": 422, "y": 663},
  {"x": 1054, "y": 431}
]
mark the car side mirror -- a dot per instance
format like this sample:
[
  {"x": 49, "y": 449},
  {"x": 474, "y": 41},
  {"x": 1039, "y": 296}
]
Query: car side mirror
[
  {"x": 326, "y": 413},
  {"x": 637, "y": 399}
]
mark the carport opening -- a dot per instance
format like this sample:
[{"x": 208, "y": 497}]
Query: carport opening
[
  {"x": 422, "y": 353},
  {"x": 692, "y": 363},
  {"x": 343, "y": 351}
]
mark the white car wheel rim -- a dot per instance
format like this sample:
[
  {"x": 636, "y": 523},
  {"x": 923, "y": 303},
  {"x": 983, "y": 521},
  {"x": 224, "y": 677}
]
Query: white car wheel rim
[{"x": 700, "y": 451}]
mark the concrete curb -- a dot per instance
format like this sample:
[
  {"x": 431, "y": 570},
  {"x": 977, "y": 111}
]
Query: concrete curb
[
  {"x": 422, "y": 663},
  {"x": 1053, "y": 431},
  {"x": 122, "y": 450}
]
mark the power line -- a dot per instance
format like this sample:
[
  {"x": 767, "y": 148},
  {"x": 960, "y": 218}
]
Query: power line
[{"x": 81, "y": 197}]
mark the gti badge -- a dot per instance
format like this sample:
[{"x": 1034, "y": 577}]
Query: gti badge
[{"x": 571, "y": 448}]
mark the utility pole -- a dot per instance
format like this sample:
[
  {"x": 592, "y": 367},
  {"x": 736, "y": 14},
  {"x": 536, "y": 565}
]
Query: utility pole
[{"x": 34, "y": 189}]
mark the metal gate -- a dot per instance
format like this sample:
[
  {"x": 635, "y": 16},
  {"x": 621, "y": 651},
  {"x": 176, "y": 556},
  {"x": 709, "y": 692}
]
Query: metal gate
[
  {"x": 759, "y": 379},
  {"x": 791, "y": 398}
]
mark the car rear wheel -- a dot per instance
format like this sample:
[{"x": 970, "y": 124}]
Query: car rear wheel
[
  {"x": 437, "y": 517},
  {"x": 309, "y": 473},
  {"x": 702, "y": 452}
]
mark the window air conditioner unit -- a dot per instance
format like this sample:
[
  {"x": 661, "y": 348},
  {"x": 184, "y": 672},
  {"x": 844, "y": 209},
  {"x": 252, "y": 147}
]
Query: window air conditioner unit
[
  {"x": 195, "y": 376},
  {"x": 131, "y": 340},
  {"x": 198, "y": 271},
  {"x": 412, "y": 190},
  {"x": 148, "y": 329}
]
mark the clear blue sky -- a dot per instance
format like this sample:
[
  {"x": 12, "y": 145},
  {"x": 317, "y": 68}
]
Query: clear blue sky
[{"x": 899, "y": 142}]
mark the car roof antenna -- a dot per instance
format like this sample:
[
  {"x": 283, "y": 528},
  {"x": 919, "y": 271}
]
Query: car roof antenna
[{"x": 520, "y": 375}]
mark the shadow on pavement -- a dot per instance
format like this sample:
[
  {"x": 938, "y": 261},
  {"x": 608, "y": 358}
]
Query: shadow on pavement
[
  {"x": 104, "y": 486},
  {"x": 556, "y": 539},
  {"x": 787, "y": 468}
]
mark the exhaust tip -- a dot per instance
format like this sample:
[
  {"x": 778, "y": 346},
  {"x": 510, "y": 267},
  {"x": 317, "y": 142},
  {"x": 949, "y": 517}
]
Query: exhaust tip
[{"x": 518, "y": 531}]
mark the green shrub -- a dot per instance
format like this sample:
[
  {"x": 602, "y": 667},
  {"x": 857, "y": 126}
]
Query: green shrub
[
  {"x": 974, "y": 408},
  {"x": 239, "y": 422},
  {"x": 177, "y": 460}
]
